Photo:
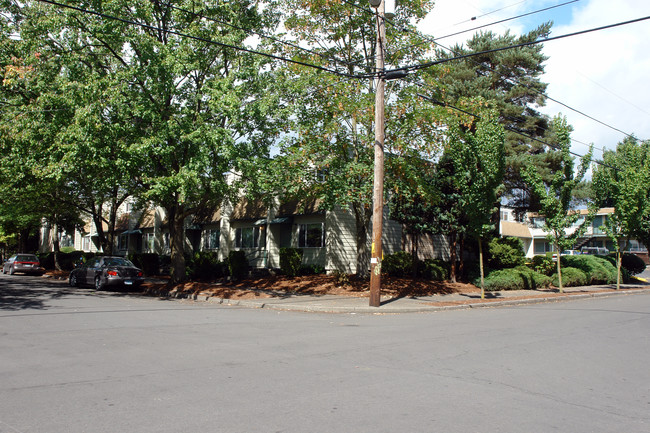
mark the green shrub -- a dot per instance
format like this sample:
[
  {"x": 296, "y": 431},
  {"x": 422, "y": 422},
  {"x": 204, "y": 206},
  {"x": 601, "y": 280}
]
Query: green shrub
[
  {"x": 165, "y": 262},
  {"x": 205, "y": 265},
  {"x": 290, "y": 261},
  {"x": 46, "y": 260},
  {"x": 237, "y": 264},
  {"x": 519, "y": 278},
  {"x": 598, "y": 269},
  {"x": 433, "y": 269},
  {"x": 148, "y": 262},
  {"x": 67, "y": 261},
  {"x": 571, "y": 277},
  {"x": 505, "y": 252},
  {"x": 311, "y": 270},
  {"x": 544, "y": 264},
  {"x": 633, "y": 264},
  {"x": 399, "y": 264}
]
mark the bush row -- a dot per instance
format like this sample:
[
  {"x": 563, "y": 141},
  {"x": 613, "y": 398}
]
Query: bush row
[
  {"x": 518, "y": 278},
  {"x": 67, "y": 260},
  {"x": 400, "y": 264}
]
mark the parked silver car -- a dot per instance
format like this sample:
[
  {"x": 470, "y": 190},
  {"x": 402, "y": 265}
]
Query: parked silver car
[
  {"x": 103, "y": 272},
  {"x": 595, "y": 250},
  {"x": 25, "y": 263}
]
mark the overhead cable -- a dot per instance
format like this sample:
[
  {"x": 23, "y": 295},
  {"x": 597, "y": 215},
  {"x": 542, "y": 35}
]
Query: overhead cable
[{"x": 209, "y": 41}]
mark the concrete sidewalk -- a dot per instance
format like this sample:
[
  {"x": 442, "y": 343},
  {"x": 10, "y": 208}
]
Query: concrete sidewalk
[{"x": 348, "y": 304}]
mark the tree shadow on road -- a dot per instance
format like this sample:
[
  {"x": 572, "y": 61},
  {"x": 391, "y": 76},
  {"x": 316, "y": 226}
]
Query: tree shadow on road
[{"x": 23, "y": 293}]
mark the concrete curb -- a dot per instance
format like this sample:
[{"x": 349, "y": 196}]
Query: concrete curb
[{"x": 320, "y": 306}]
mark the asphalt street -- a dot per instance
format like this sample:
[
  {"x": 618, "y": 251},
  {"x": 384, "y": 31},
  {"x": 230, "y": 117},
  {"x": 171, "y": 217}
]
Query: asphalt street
[{"x": 72, "y": 360}]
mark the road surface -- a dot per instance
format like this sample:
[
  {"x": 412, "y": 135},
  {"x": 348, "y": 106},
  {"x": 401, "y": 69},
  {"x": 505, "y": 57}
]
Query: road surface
[{"x": 73, "y": 360}]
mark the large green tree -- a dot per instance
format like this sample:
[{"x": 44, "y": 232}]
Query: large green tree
[
  {"x": 476, "y": 147},
  {"x": 511, "y": 80},
  {"x": 31, "y": 118},
  {"x": 557, "y": 200},
  {"x": 467, "y": 176},
  {"x": 333, "y": 120},
  {"x": 622, "y": 181},
  {"x": 165, "y": 100}
]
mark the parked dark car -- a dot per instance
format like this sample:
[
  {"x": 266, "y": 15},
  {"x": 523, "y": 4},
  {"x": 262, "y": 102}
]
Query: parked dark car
[
  {"x": 103, "y": 272},
  {"x": 25, "y": 263}
]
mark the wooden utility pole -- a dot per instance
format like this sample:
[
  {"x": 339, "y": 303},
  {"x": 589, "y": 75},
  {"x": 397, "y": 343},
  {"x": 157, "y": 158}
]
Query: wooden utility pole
[{"x": 378, "y": 185}]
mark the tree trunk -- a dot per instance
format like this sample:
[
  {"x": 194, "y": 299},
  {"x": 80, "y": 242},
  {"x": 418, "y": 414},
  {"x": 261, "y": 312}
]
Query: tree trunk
[
  {"x": 415, "y": 241},
  {"x": 177, "y": 244},
  {"x": 453, "y": 243},
  {"x": 461, "y": 260},
  {"x": 362, "y": 219},
  {"x": 480, "y": 265},
  {"x": 56, "y": 246},
  {"x": 619, "y": 263},
  {"x": 559, "y": 267},
  {"x": 110, "y": 237},
  {"x": 99, "y": 229}
]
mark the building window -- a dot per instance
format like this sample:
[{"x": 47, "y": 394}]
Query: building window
[
  {"x": 123, "y": 242},
  {"x": 504, "y": 215},
  {"x": 148, "y": 242},
  {"x": 212, "y": 239},
  {"x": 539, "y": 222},
  {"x": 66, "y": 241},
  {"x": 311, "y": 235},
  {"x": 250, "y": 237},
  {"x": 599, "y": 221},
  {"x": 166, "y": 241},
  {"x": 85, "y": 243},
  {"x": 543, "y": 247}
]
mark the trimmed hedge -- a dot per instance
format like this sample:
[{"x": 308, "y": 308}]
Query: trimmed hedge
[
  {"x": 598, "y": 269},
  {"x": 433, "y": 269},
  {"x": 398, "y": 264},
  {"x": 205, "y": 265},
  {"x": 237, "y": 264},
  {"x": 67, "y": 261},
  {"x": 631, "y": 263},
  {"x": 519, "y": 278},
  {"x": 505, "y": 253},
  {"x": 311, "y": 270},
  {"x": 544, "y": 264},
  {"x": 571, "y": 277},
  {"x": 148, "y": 262},
  {"x": 290, "y": 261}
]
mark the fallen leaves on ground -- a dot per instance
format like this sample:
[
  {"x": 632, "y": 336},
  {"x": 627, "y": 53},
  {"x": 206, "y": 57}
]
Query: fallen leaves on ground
[{"x": 313, "y": 285}]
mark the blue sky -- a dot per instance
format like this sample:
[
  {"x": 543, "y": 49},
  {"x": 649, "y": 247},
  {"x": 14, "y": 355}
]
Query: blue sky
[{"x": 602, "y": 74}]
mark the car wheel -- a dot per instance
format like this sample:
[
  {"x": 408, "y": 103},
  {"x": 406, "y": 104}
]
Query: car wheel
[
  {"x": 98, "y": 284},
  {"x": 73, "y": 280}
]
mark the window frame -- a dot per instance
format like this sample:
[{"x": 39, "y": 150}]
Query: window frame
[
  {"x": 212, "y": 239},
  {"x": 257, "y": 237},
  {"x": 304, "y": 235}
]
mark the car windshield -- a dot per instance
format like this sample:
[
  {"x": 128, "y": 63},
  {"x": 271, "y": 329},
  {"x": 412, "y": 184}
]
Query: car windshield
[
  {"x": 26, "y": 258},
  {"x": 117, "y": 261}
]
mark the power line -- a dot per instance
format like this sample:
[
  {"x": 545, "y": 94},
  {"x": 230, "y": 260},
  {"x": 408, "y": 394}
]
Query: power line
[
  {"x": 511, "y": 129},
  {"x": 491, "y": 12},
  {"x": 506, "y": 19},
  {"x": 521, "y": 45},
  {"x": 467, "y": 56},
  {"x": 435, "y": 40},
  {"x": 209, "y": 41},
  {"x": 262, "y": 35}
]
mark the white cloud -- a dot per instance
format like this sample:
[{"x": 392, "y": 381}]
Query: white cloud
[{"x": 603, "y": 74}]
